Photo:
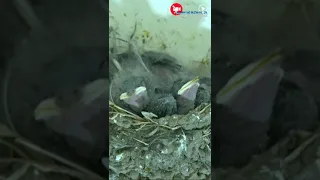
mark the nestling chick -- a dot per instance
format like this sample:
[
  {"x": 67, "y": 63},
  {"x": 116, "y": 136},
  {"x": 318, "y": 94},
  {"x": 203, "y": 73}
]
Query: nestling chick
[
  {"x": 137, "y": 90},
  {"x": 241, "y": 122},
  {"x": 204, "y": 91},
  {"x": 186, "y": 96},
  {"x": 162, "y": 105},
  {"x": 190, "y": 94},
  {"x": 133, "y": 90},
  {"x": 235, "y": 138},
  {"x": 294, "y": 109},
  {"x": 137, "y": 99},
  {"x": 159, "y": 64},
  {"x": 166, "y": 87},
  {"x": 251, "y": 91},
  {"x": 82, "y": 119}
]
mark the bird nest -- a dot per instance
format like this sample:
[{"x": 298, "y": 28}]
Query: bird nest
[
  {"x": 294, "y": 157},
  {"x": 152, "y": 148}
]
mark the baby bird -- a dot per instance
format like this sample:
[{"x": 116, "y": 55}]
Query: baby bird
[
  {"x": 204, "y": 91},
  {"x": 136, "y": 99},
  {"x": 141, "y": 91},
  {"x": 294, "y": 109},
  {"x": 79, "y": 118},
  {"x": 132, "y": 91},
  {"x": 186, "y": 96},
  {"x": 162, "y": 105},
  {"x": 146, "y": 89},
  {"x": 190, "y": 94},
  {"x": 166, "y": 89},
  {"x": 158, "y": 64},
  {"x": 235, "y": 138}
]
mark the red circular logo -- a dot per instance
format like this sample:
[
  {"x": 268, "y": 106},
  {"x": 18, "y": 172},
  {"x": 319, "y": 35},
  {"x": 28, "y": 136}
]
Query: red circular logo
[{"x": 176, "y": 9}]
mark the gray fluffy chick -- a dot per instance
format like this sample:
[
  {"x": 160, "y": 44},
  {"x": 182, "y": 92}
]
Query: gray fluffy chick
[
  {"x": 235, "y": 138},
  {"x": 162, "y": 105},
  {"x": 166, "y": 67},
  {"x": 294, "y": 109},
  {"x": 157, "y": 100},
  {"x": 79, "y": 117},
  {"x": 164, "y": 70},
  {"x": 186, "y": 96},
  {"x": 202, "y": 94},
  {"x": 127, "y": 82},
  {"x": 204, "y": 91},
  {"x": 159, "y": 64}
]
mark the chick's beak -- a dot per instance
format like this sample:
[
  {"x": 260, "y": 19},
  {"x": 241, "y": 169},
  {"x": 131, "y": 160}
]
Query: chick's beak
[
  {"x": 137, "y": 99},
  {"x": 189, "y": 90},
  {"x": 47, "y": 109}
]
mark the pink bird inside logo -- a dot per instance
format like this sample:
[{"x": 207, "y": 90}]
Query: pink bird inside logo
[{"x": 176, "y": 9}]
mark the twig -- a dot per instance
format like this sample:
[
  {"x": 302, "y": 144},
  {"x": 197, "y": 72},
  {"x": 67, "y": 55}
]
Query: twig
[
  {"x": 305, "y": 13},
  {"x": 115, "y": 51},
  {"x": 301, "y": 148},
  {"x": 171, "y": 128},
  {"x": 135, "y": 50},
  {"x": 209, "y": 147},
  {"x": 114, "y": 117},
  {"x": 57, "y": 158},
  {"x": 27, "y": 13},
  {"x": 6, "y": 132},
  {"x": 205, "y": 135},
  {"x": 204, "y": 108},
  {"x": 5, "y": 85},
  {"x": 122, "y": 114},
  {"x": 110, "y": 91},
  {"x": 143, "y": 125},
  {"x": 141, "y": 141},
  {"x": 115, "y": 61},
  {"x": 117, "y": 64},
  {"x": 119, "y": 108},
  {"x": 136, "y": 139},
  {"x": 19, "y": 173},
  {"x": 50, "y": 168},
  {"x": 15, "y": 148},
  {"x": 134, "y": 32}
]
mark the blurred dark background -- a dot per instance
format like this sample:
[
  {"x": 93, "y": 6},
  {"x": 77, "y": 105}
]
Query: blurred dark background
[{"x": 71, "y": 34}]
